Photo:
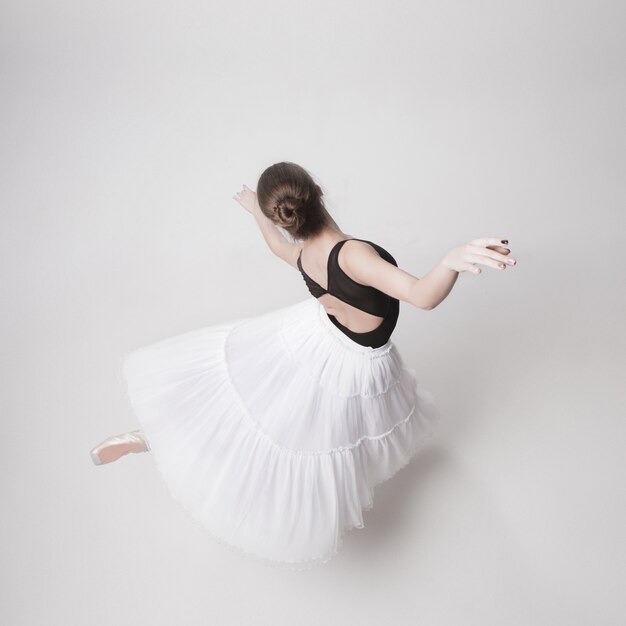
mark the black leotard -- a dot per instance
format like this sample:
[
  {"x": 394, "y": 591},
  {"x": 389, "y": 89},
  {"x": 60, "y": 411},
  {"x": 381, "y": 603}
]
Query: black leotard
[{"x": 363, "y": 297}]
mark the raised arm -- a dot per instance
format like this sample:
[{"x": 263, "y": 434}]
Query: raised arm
[
  {"x": 274, "y": 238},
  {"x": 367, "y": 267}
]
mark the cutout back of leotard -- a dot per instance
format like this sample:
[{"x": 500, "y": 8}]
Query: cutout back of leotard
[{"x": 363, "y": 297}]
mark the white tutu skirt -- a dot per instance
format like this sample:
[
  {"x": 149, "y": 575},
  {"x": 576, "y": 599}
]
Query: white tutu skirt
[{"x": 271, "y": 431}]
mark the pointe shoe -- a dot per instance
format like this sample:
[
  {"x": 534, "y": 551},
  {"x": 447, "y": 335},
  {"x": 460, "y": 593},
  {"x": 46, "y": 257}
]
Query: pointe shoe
[{"x": 117, "y": 446}]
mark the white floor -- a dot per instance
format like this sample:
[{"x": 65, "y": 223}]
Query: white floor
[{"x": 126, "y": 129}]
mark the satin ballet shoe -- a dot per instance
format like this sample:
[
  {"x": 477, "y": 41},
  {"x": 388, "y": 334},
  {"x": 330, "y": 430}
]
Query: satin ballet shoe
[{"x": 117, "y": 446}]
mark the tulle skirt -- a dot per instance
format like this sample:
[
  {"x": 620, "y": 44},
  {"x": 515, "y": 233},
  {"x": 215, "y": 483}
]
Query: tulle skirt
[{"x": 272, "y": 431}]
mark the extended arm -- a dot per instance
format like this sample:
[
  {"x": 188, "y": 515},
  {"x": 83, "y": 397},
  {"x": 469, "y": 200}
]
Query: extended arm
[
  {"x": 367, "y": 267},
  {"x": 433, "y": 288},
  {"x": 275, "y": 239}
]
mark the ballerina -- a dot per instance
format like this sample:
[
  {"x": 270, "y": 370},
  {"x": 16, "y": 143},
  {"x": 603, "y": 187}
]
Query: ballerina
[{"x": 273, "y": 430}]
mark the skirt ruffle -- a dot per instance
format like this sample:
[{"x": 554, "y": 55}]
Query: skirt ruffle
[{"x": 272, "y": 431}]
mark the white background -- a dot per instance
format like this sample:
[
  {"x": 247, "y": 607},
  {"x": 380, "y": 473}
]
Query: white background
[{"x": 126, "y": 128}]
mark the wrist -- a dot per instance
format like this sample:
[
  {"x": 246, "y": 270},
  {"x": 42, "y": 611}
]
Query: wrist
[
  {"x": 258, "y": 215},
  {"x": 446, "y": 265}
]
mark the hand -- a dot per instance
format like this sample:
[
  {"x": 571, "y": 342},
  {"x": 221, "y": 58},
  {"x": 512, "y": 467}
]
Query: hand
[
  {"x": 487, "y": 251},
  {"x": 247, "y": 199}
]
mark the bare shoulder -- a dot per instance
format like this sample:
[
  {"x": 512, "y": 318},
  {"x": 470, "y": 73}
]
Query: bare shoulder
[
  {"x": 362, "y": 262},
  {"x": 355, "y": 252},
  {"x": 358, "y": 244},
  {"x": 289, "y": 252}
]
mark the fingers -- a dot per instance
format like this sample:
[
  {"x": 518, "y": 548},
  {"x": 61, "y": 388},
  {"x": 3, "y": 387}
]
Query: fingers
[
  {"x": 245, "y": 197},
  {"x": 484, "y": 260},
  {"x": 500, "y": 249},
  {"x": 492, "y": 254},
  {"x": 470, "y": 267},
  {"x": 239, "y": 196},
  {"x": 245, "y": 191},
  {"x": 488, "y": 241}
]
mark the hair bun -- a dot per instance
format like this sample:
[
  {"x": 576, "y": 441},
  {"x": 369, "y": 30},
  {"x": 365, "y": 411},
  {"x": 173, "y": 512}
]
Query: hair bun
[
  {"x": 289, "y": 196},
  {"x": 289, "y": 210}
]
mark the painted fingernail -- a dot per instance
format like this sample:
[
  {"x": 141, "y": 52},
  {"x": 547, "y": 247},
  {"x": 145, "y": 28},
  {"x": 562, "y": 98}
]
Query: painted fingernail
[
  {"x": 504, "y": 240},
  {"x": 501, "y": 266}
]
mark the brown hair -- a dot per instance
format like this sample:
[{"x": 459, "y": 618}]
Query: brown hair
[{"x": 288, "y": 195}]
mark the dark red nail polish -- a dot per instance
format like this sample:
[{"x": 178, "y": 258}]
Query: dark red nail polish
[{"x": 504, "y": 240}]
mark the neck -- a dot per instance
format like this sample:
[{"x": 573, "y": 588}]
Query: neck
[
  {"x": 328, "y": 236},
  {"x": 331, "y": 223}
]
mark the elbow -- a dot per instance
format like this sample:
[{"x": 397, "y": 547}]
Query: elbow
[
  {"x": 429, "y": 306},
  {"x": 414, "y": 297},
  {"x": 423, "y": 307}
]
